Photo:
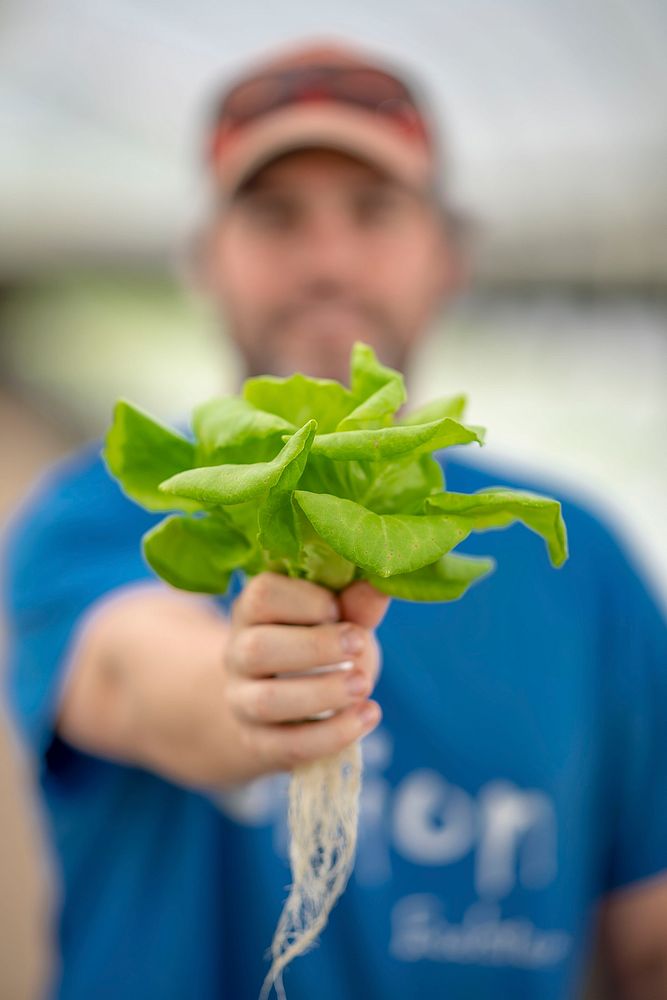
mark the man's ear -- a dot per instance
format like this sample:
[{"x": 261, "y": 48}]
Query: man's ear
[
  {"x": 195, "y": 261},
  {"x": 456, "y": 270}
]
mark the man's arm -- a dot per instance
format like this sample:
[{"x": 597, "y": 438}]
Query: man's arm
[
  {"x": 633, "y": 939},
  {"x": 163, "y": 680}
]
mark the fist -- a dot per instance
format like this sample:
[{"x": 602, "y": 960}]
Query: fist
[{"x": 300, "y": 665}]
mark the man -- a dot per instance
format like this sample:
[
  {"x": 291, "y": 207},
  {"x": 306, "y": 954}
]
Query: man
[{"x": 516, "y": 787}]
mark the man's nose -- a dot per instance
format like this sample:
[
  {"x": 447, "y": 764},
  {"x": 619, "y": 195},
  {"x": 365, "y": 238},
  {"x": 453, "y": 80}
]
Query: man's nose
[{"x": 330, "y": 247}]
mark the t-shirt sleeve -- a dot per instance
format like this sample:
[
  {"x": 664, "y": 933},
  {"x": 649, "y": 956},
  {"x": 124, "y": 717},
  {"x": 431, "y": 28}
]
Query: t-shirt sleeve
[
  {"x": 634, "y": 668},
  {"x": 76, "y": 539}
]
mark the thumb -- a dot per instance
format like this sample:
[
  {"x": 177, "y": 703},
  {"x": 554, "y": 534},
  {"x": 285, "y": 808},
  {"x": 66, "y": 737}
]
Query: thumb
[{"x": 363, "y": 604}]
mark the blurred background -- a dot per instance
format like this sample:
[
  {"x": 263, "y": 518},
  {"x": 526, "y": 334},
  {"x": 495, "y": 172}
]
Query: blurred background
[{"x": 557, "y": 122}]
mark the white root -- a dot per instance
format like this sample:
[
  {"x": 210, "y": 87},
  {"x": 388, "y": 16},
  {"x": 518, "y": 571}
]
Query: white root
[{"x": 323, "y": 815}]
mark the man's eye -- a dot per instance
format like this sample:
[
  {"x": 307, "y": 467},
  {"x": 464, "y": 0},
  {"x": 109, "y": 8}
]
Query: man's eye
[
  {"x": 376, "y": 207},
  {"x": 274, "y": 214}
]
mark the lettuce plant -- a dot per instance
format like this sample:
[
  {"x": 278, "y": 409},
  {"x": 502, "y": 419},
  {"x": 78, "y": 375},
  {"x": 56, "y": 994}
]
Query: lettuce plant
[
  {"x": 306, "y": 477},
  {"x": 316, "y": 480}
]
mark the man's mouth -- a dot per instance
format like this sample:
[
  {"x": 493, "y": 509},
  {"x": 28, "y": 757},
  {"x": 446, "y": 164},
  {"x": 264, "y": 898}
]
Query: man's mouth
[{"x": 327, "y": 320}]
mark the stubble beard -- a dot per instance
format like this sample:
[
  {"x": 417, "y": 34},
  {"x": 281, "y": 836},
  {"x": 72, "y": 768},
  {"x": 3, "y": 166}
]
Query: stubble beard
[{"x": 280, "y": 348}]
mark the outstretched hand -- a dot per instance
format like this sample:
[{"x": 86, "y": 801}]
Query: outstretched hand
[{"x": 282, "y": 629}]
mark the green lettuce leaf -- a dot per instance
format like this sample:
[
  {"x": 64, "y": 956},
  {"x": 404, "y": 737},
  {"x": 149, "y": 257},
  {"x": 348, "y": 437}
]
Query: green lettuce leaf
[
  {"x": 219, "y": 485},
  {"x": 399, "y": 486},
  {"x": 388, "y": 442},
  {"x": 499, "y": 507},
  {"x": 382, "y": 544},
  {"x": 229, "y": 421},
  {"x": 445, "y": 580},
  {"x": 449, "y": 406},
  {"x": 277, "y": 528},
  {"x": 196, "y": 553},
  {"x": 381, "y": 391},
  {"x": 300, "y": 398},
  {"x": 141, "y": 453}
]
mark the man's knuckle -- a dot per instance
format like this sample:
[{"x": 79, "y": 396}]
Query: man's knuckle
[
  {"x": 250, "y": 744},
  {"x": 318, "y": 644},
  {"x": 230, "y": 659},
  {"x": 346, "y": 732},
  {"x": 259, "y": 592},
  {"x": 295, "y": 751},
  {"x": 233, "y": 700},
  {"x": 263, "y": 702},
  {"x": 248, "y": 647}
]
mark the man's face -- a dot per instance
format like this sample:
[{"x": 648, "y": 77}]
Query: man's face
[{"x": 320, "y": 250}]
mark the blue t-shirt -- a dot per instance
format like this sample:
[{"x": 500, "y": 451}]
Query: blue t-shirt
[{"x": 519, "y": 774}]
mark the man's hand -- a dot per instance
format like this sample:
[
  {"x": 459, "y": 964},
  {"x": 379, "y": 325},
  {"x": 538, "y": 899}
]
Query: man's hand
[
  {"x": 281, "y": 627},
  {"x": 162, "y": 680},
  {"x": 633, "y": 939}
]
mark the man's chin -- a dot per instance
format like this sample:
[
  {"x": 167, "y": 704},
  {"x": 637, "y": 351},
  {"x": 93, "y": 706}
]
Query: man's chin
[
  {"x": 338, "y": 368},
  {"x": 319, "y": 356}
]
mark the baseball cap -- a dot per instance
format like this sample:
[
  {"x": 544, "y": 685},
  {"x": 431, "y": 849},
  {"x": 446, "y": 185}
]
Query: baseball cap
[{"x": 322, "y": 95}]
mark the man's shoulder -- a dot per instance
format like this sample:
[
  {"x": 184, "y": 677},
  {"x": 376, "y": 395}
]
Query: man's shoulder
[
  {"x": 74, "y": 506},
  {"x": 600, "y": 547},
  {"x": 583, "y": 511},
  {"x": 74, "y": 485}
]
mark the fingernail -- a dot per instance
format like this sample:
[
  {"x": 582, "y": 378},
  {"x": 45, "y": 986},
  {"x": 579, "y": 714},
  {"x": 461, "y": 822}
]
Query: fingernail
[
  {"x": 351, "y": 641},
  {"x": 321, "y": 715},
  {"x": 327, "y": 668},
  {"x": 370, "y": 714},
  {"x": 356, "y": 683}
]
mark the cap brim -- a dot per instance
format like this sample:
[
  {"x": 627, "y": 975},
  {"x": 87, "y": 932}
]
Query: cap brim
[{"x": 362, "y": 134}]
